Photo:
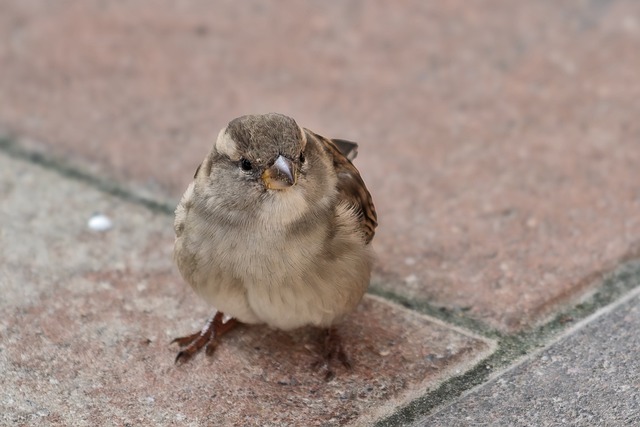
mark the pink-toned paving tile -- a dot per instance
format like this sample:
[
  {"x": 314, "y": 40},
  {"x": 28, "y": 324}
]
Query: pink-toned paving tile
[
  {"x": 86, "y": 321},
  {"x": 499, "y": 139}
]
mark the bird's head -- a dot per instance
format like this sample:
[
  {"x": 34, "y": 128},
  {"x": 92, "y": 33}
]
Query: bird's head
[
  {"x": 268, "y": 148},
  {"x": 263, "y": 164}
]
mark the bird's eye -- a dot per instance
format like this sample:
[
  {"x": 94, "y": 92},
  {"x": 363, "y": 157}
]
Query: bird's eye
[
  {"x": 302, "y": 158},
  {"x": 245, "y": 164}
]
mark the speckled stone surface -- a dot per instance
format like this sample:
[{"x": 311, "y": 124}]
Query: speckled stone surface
[
  {"x": 86, "y": 320},
  {"x": 499, "y": 138},
  {"x": 591, "y": 377}
]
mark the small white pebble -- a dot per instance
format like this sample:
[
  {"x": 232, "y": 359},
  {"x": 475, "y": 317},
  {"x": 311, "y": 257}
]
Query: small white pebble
[
  {"x": 104, "y": 286},
  {"x": 100, "y": 222},
  {"x": 411, "y": 279}
]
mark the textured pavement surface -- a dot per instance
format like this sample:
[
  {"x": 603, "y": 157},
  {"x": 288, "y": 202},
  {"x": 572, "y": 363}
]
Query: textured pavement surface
[
  {"x": 591, "y": 377},
  {"x": 500, "y": 141},
  {"x": 86, "y": 320}
]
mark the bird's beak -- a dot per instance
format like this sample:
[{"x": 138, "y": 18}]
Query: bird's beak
[{"x": 281, "y": 175}]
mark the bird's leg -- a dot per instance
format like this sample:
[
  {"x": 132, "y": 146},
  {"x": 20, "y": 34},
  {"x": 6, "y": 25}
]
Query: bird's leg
[
  {"x": 215, "y": 327},
  {"x": 332, "y": 349}
]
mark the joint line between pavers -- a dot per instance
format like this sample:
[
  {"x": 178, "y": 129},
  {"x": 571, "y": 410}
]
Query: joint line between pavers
[
  {"x": 622, "y": 284},
  {"x": 12, "y": 148},
  {"x": 447, "y": 316}
]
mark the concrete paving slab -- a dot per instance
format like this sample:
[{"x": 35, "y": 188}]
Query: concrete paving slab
[
  {"x": 590, "y": 377},
  {"x": 499, "y": 138},
  {"x": 86, "y": 319}
]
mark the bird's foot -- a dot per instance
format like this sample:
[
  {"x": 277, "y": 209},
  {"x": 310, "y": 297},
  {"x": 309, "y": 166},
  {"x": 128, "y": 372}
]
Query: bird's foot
[
  {"x": 332, "y": 349},
  {"x": 207, "y": 338}
]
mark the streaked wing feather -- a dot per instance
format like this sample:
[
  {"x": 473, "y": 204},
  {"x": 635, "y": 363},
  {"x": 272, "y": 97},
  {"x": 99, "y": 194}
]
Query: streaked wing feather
[
  {"x": 348, "y": 148},
  {"x": 351, "y": 187}
]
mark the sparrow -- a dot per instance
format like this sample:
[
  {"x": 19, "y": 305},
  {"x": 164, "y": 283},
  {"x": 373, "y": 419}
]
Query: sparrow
[{"x": 275, "y": 229}]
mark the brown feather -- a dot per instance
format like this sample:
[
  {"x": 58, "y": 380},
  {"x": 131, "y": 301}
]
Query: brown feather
[
  {"x": 348, "y": 148},
  {"x": 351, "y": 187}
]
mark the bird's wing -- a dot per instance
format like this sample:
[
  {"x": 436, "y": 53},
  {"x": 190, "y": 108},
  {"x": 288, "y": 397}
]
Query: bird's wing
[
  {"x": 351, "y": 187},
  {"x": 347, "y": 148}
]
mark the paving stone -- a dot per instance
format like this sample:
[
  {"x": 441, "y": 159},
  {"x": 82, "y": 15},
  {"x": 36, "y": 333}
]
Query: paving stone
[
  {"x": 589, "y": 378},
  {"x": 86, "y": 320},
  {"x": 499, "y": 139}
]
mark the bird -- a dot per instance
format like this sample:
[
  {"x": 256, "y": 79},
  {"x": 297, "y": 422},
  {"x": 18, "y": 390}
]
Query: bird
[{"x": 275, "y": 228}]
